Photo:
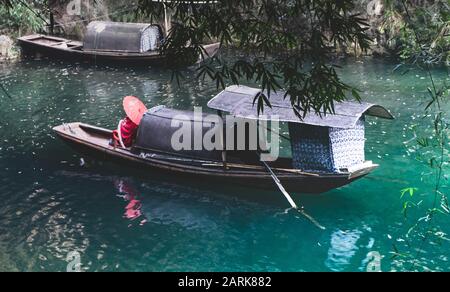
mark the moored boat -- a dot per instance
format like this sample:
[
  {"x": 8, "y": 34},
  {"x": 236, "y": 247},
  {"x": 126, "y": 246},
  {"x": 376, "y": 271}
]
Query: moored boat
[
  {"x": 327, "y": 151},
  {"x": 110, "y": 43}
]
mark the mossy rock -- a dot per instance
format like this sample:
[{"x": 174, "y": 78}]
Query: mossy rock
[{"x": 7, "y": 51}]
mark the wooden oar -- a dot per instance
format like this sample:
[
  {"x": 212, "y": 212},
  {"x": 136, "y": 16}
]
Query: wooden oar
[
  {"x": 247, "y": 166},
  {"x": 289, "y": 198}
]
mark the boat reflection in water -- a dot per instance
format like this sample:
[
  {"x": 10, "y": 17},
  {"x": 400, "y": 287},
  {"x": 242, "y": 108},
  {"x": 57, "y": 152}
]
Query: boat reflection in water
[
  {"x": 168, "y": 204},
  {"x": 162, "y": 210}
]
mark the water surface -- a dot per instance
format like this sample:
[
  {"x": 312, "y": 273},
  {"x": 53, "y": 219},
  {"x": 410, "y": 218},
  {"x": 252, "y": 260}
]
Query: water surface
[{"x": 55, "y": 201}]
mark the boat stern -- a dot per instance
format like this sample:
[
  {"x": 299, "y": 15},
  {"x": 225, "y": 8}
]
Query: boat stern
[{"x": 361, "y": 170}]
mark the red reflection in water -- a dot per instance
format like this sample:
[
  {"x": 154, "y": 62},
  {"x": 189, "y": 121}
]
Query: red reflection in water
[{"x": 133, "y": 208}]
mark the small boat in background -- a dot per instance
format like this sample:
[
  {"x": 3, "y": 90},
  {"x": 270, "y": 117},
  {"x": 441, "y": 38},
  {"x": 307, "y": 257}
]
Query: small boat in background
[
  {"x": 327, "y": 151},
  {"x": 111, "y": 43}
]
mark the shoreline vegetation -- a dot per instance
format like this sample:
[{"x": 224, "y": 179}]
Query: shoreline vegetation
[{"x": 389, "y": 35}]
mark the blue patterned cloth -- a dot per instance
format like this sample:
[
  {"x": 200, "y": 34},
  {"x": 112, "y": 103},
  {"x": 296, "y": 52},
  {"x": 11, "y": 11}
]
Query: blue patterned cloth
[
  {"x": 327, "y": 149},
  {"x": 150, "y": 39}
]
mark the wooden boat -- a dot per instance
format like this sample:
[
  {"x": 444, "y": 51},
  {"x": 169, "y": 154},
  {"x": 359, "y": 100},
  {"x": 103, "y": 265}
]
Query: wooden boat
[
  {"x": 94, "y": 140},
  {"x": 108, "y": 43},
  {"x": 152, "y": 148}
]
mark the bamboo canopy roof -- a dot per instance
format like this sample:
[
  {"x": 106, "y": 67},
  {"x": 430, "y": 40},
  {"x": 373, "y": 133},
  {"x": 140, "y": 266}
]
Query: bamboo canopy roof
[
  {"x": 115, "y": 36},
  {"x": 239, "y": 101}
]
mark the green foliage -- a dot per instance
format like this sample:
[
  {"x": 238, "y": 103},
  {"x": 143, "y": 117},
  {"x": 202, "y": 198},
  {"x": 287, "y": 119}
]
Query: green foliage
[
  {"x": 425, "y": 38},
  {"x": 280, "y": 44},
  {"x": 20, "y": 16},
  {"x": 434, "y": 150},
  {"x": 409, "y": 191},
  {"x": 124, "y": 11},
  {"x": 6, "y": 3}
]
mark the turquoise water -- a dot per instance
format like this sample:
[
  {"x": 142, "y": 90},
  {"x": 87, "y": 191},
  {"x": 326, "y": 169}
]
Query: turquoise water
[{"x": 54, "y": 201}]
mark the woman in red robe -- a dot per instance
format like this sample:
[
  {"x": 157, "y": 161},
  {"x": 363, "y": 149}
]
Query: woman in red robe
[{"x": 127, "y": 128}]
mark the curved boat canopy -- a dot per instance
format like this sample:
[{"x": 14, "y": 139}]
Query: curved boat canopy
[
  {"x": 238, "y": 101},
  {"x": 122, "y": 37},
  {"x": 158, "y": 127}
]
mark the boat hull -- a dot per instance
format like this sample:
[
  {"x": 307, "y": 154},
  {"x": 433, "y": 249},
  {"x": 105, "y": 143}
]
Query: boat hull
[
  {"x": 96, "y": 145},
  {"x": 68, "y": 50}
]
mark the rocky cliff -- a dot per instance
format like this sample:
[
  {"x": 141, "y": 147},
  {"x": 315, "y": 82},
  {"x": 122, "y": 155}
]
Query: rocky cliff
[
  {"x": 385, "y": 19},
  {"x": 6, "y": 48},
  {"x": 374, "y": 11},
  {"x": 71, "y": 17}
]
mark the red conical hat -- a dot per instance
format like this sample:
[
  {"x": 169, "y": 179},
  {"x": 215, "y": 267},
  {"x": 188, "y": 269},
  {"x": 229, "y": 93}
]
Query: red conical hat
[{"x": 134, "y": 108}]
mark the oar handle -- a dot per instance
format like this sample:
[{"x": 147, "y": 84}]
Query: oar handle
[{"x": 288, "y": 197}]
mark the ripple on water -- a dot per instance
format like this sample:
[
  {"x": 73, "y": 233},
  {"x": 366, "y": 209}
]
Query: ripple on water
[{"x": 50, "y": 208}]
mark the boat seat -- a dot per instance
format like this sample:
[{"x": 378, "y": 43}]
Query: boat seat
[{"x": 61, "y": 45}]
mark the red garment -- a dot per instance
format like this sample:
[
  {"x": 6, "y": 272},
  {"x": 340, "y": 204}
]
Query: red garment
[{"x": 128, "y": 130}]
